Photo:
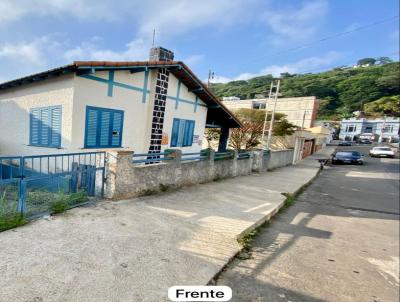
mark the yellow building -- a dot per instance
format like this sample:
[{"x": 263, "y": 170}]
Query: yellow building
[{"x": 300, "y": 111}]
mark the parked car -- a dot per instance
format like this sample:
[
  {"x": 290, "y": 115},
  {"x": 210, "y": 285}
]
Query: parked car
[
  {"x": 381, "y": 152},
  {"x": 345, "y": 143},
  {"x": 365, "y": 141},
  {"x": 347, "y": 157}
]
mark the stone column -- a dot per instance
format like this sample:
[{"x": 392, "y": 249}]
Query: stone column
[
  {"x": 257, "y": 164},
  {"x": 117, "y": 167}
]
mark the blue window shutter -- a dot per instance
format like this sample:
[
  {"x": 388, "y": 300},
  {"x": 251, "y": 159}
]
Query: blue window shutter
[
  {"x": 55, "y": 122},
  {"x": 45, "y": 129},
  {"x": 103, "y": 127},
  {"x": 189, "y": 130},
  {"x": 116, "y": 132},
  {"x": 175, "y": 132},
  {"x": 191, "y": 133},
  {"x": 181, "y": 133},
  {"x": 105, "y": 123},
  {"x": 91, "y": 128},
  {"x": 34, "y": 127}
]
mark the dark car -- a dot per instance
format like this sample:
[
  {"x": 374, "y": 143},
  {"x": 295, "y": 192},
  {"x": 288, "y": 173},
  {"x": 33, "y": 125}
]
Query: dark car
[
  {"x": 365, "y": 141},
  {"x": 345, "y": 143},
  {"x": 347, "y": 157}
]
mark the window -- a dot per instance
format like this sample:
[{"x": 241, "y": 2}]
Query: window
[
  {"x": 182, "y": 133},
  {"x": 103, "y": 127},
  {"x": 45, "y": 126},
  {"x": 387, "y": 128},
  {"x": 351, "y": 128}
]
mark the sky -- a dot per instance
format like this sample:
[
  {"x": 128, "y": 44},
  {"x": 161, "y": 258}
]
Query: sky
[{"x": 236, "y": 39}]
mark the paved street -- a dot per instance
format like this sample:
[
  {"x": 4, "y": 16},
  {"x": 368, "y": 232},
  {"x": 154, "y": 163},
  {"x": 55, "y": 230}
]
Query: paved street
[{"x": 339, "y": 242}]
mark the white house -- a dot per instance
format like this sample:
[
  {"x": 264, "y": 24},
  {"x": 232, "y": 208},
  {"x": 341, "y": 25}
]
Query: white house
[
  {"x": 87, "y": 106},
  {"x": 384, "y": 128}
]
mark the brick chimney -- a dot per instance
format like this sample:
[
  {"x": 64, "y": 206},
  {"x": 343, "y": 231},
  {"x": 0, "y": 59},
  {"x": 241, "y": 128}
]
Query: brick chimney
[{"x": 161, "y": 54}]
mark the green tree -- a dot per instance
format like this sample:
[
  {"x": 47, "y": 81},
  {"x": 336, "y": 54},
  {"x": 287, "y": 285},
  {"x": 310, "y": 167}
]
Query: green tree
[
  {"x": 366, "y": 61},
  {"x": 384, "y": 60},
  {"x": 250, "y": 135},
  {"x": 387, "y": 105}
]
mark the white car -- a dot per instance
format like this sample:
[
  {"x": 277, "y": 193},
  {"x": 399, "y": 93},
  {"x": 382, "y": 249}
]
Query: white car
[{"x": 381, "y": 152}]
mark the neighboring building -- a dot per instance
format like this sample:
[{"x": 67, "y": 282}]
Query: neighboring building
[
  {"x": 300, "y": 111},
  {"x": 87, "y": 106},
  {"x": 382, "y": 129}
]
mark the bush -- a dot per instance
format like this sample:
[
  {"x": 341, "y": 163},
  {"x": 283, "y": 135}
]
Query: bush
[{"x": 11, "y": 220}]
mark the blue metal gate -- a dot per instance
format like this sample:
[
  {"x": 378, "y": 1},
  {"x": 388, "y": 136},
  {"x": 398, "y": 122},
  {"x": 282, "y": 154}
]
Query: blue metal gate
[{"x": 33, "y": 185}]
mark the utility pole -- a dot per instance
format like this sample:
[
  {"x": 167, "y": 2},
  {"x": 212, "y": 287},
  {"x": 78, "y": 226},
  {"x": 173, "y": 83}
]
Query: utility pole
[
  {"x": 154, "y": 37},
  {"x": 210, "y": 77},
  {"x": 273, "y": 94}
]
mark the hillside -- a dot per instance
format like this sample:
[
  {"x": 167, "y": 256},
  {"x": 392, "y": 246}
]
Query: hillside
[{"x": 341, "y": 90}]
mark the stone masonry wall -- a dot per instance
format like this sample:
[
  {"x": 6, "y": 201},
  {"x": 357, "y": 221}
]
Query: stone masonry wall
[{"x": 127, "y": 180}]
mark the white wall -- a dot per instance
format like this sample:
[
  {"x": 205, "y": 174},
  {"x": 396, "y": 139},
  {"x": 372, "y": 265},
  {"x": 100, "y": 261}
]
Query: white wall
[
  {"x": 15, "y": 104},
  {"x": 184, "y": 111},
  {"x": 93, "y": 93},
  {"x": 74, "y": 93}
]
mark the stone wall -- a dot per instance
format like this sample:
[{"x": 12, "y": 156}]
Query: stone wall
[{"x": 126, "y": 179}]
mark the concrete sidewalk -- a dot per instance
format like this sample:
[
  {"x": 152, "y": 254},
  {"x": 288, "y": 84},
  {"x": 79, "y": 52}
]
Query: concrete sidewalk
[{"x": 133, "y": 250}]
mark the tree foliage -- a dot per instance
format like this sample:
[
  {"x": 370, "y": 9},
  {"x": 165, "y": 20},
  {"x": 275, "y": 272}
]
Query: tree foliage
[
  {"x": 341, "y": 90},
  {"x": 250, "y": 135},
  {"x": 387, "y": 105}
]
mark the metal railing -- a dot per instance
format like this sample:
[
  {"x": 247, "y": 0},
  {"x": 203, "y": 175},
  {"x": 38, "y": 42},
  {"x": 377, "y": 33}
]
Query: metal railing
[
  {"x": 223, "y": 155},
  {"x": 192, "y": 156},
  {"x": 243, "y": 155},
  {"x": 10, "y": 167},
  {"x": 33, "y": 185},
  {"x": 151, "y": 158}
]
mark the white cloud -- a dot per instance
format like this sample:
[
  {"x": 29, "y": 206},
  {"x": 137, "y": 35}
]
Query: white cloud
[
  {"x": 296, "y": 24},
  {"x": 302, "y": 66},
  {"x": 30, "y": 52}
]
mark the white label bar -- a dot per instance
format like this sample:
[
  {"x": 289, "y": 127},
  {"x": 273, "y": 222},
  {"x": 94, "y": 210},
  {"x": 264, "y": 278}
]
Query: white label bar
[{"x": 200, "y": 293}]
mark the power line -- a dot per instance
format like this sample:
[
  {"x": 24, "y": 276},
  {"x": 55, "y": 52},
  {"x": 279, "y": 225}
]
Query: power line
[{"x": 327, "y": 38}]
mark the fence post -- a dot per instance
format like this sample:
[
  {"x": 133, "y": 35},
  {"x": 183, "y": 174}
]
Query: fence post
[
  {"x": 257, "y": 160},
  {"x": 22, "y": 196},
  {"x": 234, "y": 169}
]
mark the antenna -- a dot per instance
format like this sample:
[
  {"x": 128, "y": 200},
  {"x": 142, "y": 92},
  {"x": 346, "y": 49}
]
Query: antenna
[{"x": 154, "y": 36}]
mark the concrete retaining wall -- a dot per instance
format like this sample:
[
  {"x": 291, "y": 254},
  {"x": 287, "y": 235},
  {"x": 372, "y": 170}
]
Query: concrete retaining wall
[
  {"x": 127, "y": 180},
  {"x": 280, "y": 159}
]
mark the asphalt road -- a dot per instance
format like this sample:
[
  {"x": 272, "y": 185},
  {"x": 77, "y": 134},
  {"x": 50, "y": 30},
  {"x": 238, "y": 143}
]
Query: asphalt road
[{"x": 338, "y": 242}]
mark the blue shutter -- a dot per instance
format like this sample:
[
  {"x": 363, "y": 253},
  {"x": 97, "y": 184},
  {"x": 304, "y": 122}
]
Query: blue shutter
[
  {"x": 189, "y": 130},
  {"x": 103, "y": 127},
  {"x": 181, "y": 134},
  {"x": 91, "y": 127},
  {"x": 116, "y": 133},
  {"x": 175, "y": 132},
  {"x": 44, "y": 135},
  {"x": 34, "y": 127},
  {"x": 55, "y": 122},
  {"x": 105, "y": 123}
]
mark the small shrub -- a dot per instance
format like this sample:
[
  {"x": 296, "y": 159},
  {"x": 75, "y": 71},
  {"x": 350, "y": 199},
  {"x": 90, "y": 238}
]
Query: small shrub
[
  {"x": 78, "y": 197},
  {"x": 60, "y": 203},
  {"x": 58, "y": 207},
  {"x": 11, "y": 220}
]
